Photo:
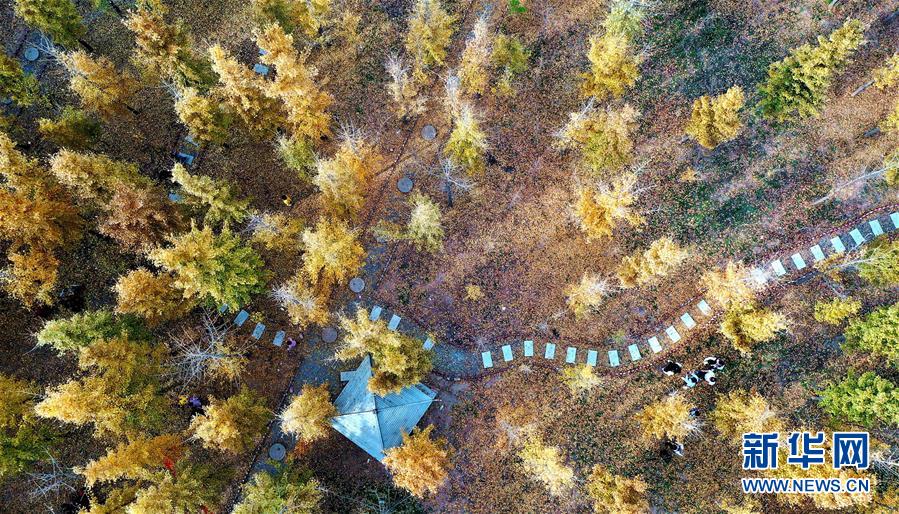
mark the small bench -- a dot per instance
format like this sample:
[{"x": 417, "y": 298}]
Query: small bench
[
  {"x": 634, "y": 351},
  {"x": 687, "y": 320},
  {"x": 857, "y": 236},
  {"x": 185, "y": 158},
  {"x": 394, "y": 322},
  {"x": 375, "y": 313},
  {"x": 704, "y": 307},
  {"x": 242, "y": 316},
  {"x": 798, "y": 261},
  {"x": 487, "y": 359},
  {"x": 591, "y": 357},
  {"x": 260, "y": 69},
  {"x": 223, "y": 309},
  {"x": 894, "y": 219},
  {"x": 507, "y": 353},
  {"x": 528, "y": 348},
  {"x": 550, "y": 352},
  {"x": 654, "y": 344},
  {"x": 279, "y": 338},
  {"x": 429, "y": 343},
  {"x": 876, "y": 229},
  {"x": 570, "y": 355}
]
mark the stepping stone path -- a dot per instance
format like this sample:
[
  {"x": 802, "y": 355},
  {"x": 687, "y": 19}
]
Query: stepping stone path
[
  {"x": 428, "y": 132},
  {"x": 357, "y": 285},
  {"x": 702, "y": 311}
]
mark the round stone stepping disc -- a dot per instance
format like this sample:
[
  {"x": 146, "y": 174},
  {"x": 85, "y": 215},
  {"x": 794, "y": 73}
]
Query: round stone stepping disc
[
  {"x": 404, "y": 185},
  {"x": 31, "y": 54},
  {"x": 429, "y": 132},
  {"x": 357, "y": 285},
  {"x": 277, "y": 451},
  {"x": 329, "y": 335}
]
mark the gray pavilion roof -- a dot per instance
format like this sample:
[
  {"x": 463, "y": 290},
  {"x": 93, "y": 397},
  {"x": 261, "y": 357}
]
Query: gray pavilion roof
[{"x": 377, "y": 423}]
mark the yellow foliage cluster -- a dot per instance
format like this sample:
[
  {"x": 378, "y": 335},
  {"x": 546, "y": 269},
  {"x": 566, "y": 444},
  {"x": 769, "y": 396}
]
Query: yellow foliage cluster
[
  {"x": 305, "y": 103},
  {"x": 467, "y": 143},
  {"x": 119, "y": 394},
  {"x": 421, "y": 464},
  {"x": 93, "y": 176},
  {"x": 669, "y": 418},
  {"x": 661, "y": 258},
  {"x": 613, "y": 62},
  {"x": 307, "y": 15},
  {"x": 580, "y": 379},
  {"x": 156, "y": 298},
  {"x": 739, "y": 412},
  {"x": 598, "y": 210},
  {"x": 276, "y": 230},
  {"x": 246, "y": 93},
  {"x": 587, "y": 295},
  {"x": 333, "y": 253},
  {"x": 473, "y": 73},
  {"x": 205, "y": 116},
  {"x": 308, "y": 413},
  {"x": 424, "y": 229},
  {"x": 546, "y": 465},
  {"x": 220, "y": 201},
  {"x": 398, "y": 360},
  {"x": 136, "y": 459},
  {"x": 615, "y": 494},
  {"x": 473, "y": 292},
  {"x": 837, "y": 310},
  {"x": 233, "y": 424},
  {"x": 746, "y": 325},
  {"x": 730, "y": 285},
  {"x": 603, "y": 136},
  {"x": 405, "y": 91},
  {"x": 305, "y": 305},
  {"x": 428, "y": 36},
  {"x": 344, "y": 179},
  {"x": 888, "y": 74},
  {"x": 99, "y": 85},
  {"x": 716, "y": 120}
]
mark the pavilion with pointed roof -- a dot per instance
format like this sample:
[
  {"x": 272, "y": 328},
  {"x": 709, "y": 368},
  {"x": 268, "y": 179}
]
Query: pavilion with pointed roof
[{"x": 377, "y": 423}]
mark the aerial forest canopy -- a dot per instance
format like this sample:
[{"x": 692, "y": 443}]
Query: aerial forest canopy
[{"x": 446, "y": 256}]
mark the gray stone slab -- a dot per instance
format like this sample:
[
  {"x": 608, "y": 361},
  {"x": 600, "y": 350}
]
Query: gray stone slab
[
  {"x": 404, "y": 185},
  {"x": 329, "y": 334},
  {"x": 837, "y": 244},
  {"x": 550, "y": 352},
  {"x": 277, "y": 451},
  {"x": 428, "y": 132},
  {"x": 614, "y": 361},
  {"x": 357, "y": 285},
  {"x": 31, "y": 54},
  {"x": 634, "y": 351}
]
